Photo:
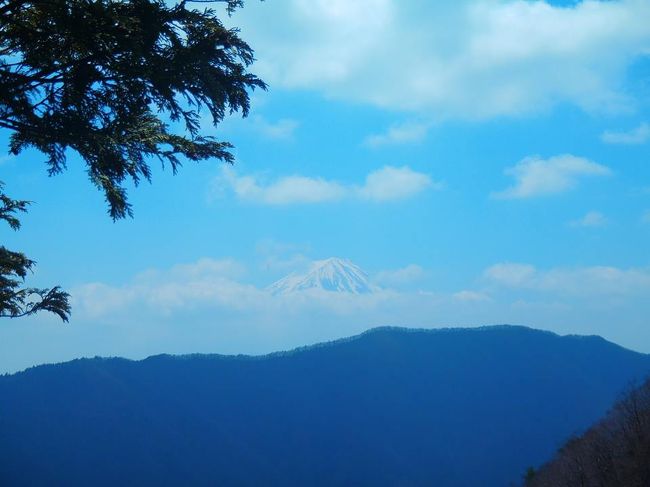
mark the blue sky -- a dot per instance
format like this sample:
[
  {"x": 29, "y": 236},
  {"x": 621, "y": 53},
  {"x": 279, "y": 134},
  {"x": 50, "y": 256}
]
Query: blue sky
[{"x": 483, "y": 161}]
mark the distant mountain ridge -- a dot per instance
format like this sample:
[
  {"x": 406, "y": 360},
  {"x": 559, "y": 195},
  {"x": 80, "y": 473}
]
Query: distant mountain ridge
[
  {"x": 331, "y": 275},
  {"x": 455, "y": 407}
]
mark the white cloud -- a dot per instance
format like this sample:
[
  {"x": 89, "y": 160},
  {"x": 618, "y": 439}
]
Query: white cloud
[
  {"x": 395, "y": 183},
  {"x": 639, "y": 135},
  {"x": 399, "y": 277},
  {"x": 399, "y": 134},
  {"x": 97, "y": 299},
  {"x": 284, "y": 191},
  {"x": 591, "y": 219},
  {"x": 588, "y": 282},
  {"x": 535, "y": 176},
  {"x": 467, "y": 58},
  {"x": 386, "y": 184}
]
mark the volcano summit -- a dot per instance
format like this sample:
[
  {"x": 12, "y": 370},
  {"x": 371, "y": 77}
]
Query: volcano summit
[{"x": 331, "y": 275}]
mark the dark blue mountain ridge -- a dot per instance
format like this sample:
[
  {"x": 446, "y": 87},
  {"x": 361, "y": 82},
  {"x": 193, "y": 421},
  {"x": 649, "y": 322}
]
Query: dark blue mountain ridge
[{"x": 392, "y": 406}]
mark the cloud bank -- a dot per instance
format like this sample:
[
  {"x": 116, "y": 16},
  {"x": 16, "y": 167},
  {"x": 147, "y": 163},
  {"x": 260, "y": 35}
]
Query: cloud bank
[{"x": 468, "y": 58}]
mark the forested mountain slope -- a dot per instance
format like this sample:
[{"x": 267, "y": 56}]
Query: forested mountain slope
[
  {"x": 462, "y": 407},
  {"x": 614, "y": 452}
]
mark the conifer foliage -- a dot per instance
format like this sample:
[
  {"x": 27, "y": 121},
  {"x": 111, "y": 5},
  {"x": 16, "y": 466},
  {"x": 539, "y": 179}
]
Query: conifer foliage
[
  {"x": 103, "y": 78},
  {"x": 15, "y": 300}
]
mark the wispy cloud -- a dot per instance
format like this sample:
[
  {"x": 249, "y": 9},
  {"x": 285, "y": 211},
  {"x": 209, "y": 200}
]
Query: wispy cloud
[
  {"x": 645, "y": 217},
  {"x": 467, "y": 296},
  {"x": 399, "y": 134},
  {"x": 589, "y": 282},
  {"x": 386, "y": 184},
  {"x": 283, "y": 129},
  {"x": 590, "y": 220},
  {"x": 535, "y": 176},
  {"x": 639, "y": 135},
  {"x": 400, "y": 277},
  {"x": 280, "y": 257}
]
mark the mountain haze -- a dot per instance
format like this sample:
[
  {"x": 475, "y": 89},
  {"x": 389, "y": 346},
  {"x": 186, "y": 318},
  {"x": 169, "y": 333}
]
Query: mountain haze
[{"x": 466, "y": 407}]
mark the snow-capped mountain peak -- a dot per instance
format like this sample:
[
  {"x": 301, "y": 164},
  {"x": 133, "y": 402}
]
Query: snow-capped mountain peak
[{"x": 333, "y": 275}]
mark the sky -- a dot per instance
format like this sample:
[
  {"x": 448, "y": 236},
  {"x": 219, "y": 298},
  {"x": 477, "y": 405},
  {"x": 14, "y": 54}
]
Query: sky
[{"x": 484, "y": 161}]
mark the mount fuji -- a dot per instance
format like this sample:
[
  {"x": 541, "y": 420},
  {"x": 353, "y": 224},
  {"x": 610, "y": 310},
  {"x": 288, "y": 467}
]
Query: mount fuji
[{"x": 331, "y": 275}]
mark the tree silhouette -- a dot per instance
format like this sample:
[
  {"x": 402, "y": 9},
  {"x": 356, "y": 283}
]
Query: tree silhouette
[
  {"x": 100, "y": 77},
  {"x": 614, "y": 452},
  {"x": 16, "y": 301}
]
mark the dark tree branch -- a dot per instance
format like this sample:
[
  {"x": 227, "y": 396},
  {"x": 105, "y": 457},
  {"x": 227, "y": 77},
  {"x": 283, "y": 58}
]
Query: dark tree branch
[{"x": 96, "y": 77}]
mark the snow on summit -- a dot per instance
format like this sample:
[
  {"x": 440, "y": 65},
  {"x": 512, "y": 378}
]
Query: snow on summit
[{"x": 332, "y": 275}]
